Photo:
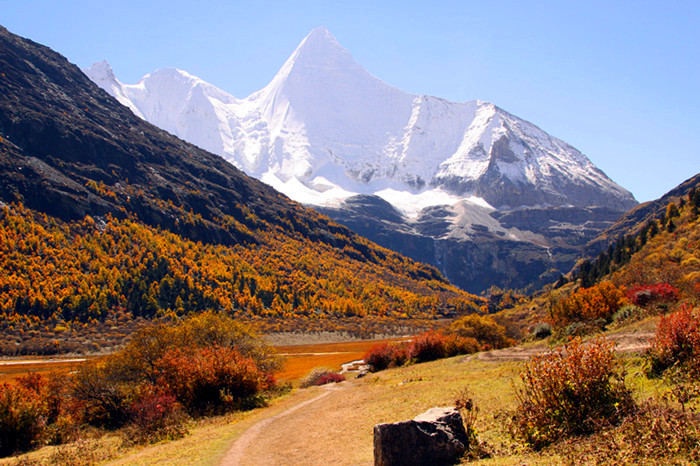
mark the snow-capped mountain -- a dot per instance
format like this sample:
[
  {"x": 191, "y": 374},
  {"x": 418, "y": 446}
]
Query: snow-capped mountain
[{"x": 325, "y": 129}]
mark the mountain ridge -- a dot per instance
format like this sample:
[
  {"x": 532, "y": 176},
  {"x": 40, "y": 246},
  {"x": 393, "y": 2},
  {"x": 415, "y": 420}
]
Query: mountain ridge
[{"x": 325, "y": 129}]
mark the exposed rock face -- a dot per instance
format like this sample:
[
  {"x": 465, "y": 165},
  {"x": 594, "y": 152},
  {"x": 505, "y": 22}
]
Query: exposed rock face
[
  {"x": 476, "y": 247},
  {"x": 432, "y": 438}
]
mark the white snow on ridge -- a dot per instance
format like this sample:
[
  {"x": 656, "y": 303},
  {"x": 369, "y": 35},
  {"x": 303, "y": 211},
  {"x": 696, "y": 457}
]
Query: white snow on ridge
[{"x": 325, "y": 129}]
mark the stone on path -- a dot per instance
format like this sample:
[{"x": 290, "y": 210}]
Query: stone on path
[{"x": 432, "y": 438}]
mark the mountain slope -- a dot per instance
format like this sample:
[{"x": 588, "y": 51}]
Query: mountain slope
[
  {"x": 91, "y": 193},
  {"x": 635, "y": 219},
  {"x": 324, "y": 129}
]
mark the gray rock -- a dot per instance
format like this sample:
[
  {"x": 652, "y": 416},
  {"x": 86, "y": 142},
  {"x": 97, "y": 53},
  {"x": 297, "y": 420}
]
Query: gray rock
[
  {"x": 476, "y": 247},
  {"x": 432, "y": 438}
]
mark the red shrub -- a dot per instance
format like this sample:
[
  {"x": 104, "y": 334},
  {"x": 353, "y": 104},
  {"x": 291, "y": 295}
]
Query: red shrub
[
  {"x": 677, "y": 341},
  {"x": 330, "y": 378},
  {"x": 208, "y": 380},
  {"x": 428, "y": 346},
  {"x": 385, "y": 355},
  {"x": 60, "y": 421},
  {"x": 156, "y": 416},
  {"x": 574, "y": 390},
  {"x": 22, "y": 419},
  {"x": 425, "y": 347},
  {"x": 643, "y": 295},
  {"x": 153, "y": 409}
]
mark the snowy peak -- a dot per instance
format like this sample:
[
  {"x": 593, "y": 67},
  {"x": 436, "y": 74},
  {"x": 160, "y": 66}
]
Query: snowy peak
[
  {"x": 101, "y": 73},
  {"x": 318, "y": 55},
  {"x": 324, "y": 90},
  {"x": 325, "y": 129},
  {"x": 321, "y": 49}
]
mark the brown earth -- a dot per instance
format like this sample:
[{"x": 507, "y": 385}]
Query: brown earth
[{"x": 626, "y": 343}]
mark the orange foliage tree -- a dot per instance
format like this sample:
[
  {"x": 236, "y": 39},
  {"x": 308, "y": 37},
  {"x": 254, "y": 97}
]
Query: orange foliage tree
[{"x": 599, "y": 301}]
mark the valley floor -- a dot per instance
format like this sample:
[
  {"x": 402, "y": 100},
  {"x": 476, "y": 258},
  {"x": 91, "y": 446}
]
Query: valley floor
[{"x": 333, "y": 424}]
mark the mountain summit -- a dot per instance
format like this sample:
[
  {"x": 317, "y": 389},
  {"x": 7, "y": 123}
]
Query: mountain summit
[
  {"x": 486, "y": 197},
  {"x": 325, "y": 129}
]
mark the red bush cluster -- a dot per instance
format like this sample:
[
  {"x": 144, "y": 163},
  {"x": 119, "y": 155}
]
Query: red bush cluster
[
  {"x": 643, "y": 295},
  {"x": 155, "y": 416},
  {"x": 386, "y": 355},
  {"x": 33, "y": 412},
  {"x": 677, "y": 342},
  {"x": 206, "y": 364},
  {"x": 330, "y": 378},
  {"x": 425, "y": 347},
  {"x": 574, "y": 390},
  {"x": 428, "y": 346},
  {"x": 207, "y": 380}
]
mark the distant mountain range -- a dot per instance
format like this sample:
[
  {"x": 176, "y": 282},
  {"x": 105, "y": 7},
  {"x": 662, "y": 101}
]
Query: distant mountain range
[{"x": 485, "y": 196}]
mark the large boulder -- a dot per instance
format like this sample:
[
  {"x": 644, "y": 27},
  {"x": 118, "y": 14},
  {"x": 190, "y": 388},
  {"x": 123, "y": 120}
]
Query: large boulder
[{"x": 432, "y": 438}]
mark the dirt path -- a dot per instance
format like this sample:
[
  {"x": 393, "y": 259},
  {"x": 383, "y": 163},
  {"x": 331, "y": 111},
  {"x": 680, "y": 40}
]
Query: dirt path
[
  {"x": 236, "y": 453},
  {"x": 626, "y": 343}
]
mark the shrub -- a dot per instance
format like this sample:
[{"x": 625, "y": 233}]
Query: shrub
[
  {"x": 469, "y": 412},
  {"x": 136, "y": 362},
  {"x": 455, "y": 345},
  {"x": 385, "y": 355},
  {"x": 330, "y": 378},
  {"x": 156, "y": 416},
  {"x": 656, "y": 433},
  {"x": 644, "y": 295},
  {"x": 209, "y": 363},
  {"x": 60, "y": 425},
  {"x": 320, "y": 376},
  {"x": 677, "y": 342},
  {"x": 102, "y": 399},
  {"x": 22, "y": 419},
  {"x": 628, "y": 312},
  {"x": 211, "y": 380},
  {"x": 483, "y": 329},
  {"x": 33, "y": 412},
  {"x": 573, "y": 390},
  {"x": 542, "y": 330},
  {"x": 580, "y": 329},
  {"x": 428, "y": 346},
  {"x": 600, "y": 301}
]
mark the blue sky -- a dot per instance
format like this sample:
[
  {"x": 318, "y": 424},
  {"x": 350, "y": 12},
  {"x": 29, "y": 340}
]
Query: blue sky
[{"x": 616, "y": 79}]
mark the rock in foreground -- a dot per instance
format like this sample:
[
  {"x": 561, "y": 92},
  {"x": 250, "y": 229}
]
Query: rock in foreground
[{"x": 434, "y": 437}]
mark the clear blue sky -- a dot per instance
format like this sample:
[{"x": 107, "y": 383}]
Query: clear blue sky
[{"x": 616, "y": 79}]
